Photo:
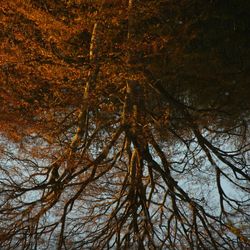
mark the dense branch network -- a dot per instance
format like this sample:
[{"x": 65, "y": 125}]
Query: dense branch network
[{"x": 108, "y": 156}]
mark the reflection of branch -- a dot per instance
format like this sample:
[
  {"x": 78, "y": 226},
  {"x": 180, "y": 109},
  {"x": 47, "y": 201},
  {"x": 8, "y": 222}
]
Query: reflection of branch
[
  {"x": 201, "y": 139},
  {"x": 53, "y": 174},
  {"x": 68, "y": 59},
  {"x": 82, "y": 126},
  {"x": 209, "y": 150}
]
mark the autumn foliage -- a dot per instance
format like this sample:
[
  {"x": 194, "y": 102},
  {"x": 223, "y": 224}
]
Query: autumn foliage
[{"x": 124, "y": 124}]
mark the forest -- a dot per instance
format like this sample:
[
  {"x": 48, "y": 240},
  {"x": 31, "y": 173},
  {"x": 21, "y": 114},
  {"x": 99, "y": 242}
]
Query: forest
[{"x": 124, "y": 124}]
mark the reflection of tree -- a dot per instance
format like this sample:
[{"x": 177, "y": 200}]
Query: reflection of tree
[{"x": 100, "y": 152}]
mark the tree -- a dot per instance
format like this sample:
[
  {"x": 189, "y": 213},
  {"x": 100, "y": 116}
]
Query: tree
[{"x": 124, "y": 124}]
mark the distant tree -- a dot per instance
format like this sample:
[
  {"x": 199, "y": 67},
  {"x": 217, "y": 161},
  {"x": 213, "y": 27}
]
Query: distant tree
[{"x": 124, "y": 124}]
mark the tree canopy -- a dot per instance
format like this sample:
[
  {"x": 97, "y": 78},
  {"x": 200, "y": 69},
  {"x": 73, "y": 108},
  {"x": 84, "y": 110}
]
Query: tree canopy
[{"x": 124, "y": 124}]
